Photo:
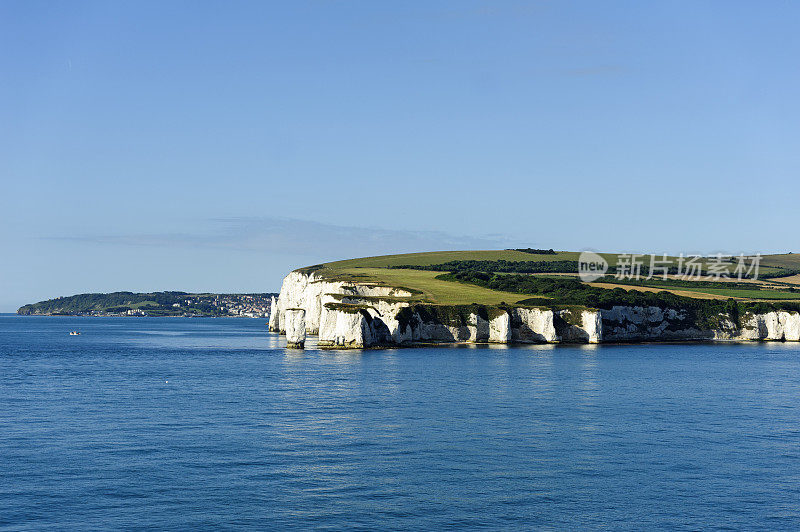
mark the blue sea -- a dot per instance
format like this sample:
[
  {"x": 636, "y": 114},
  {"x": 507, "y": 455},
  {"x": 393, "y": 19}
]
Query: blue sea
[{"x": 187, "y": 424}]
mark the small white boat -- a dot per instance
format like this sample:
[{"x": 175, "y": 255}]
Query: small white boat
[{"x": 74, "y": 333}]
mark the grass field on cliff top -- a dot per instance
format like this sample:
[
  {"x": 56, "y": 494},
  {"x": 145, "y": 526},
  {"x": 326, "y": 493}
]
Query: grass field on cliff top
[
  {"x": 376, "y": 270},
  {"x": 769, "y": 263}
]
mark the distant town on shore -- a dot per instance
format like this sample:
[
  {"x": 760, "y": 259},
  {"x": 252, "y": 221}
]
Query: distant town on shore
[{"x": 134, "y": 304}]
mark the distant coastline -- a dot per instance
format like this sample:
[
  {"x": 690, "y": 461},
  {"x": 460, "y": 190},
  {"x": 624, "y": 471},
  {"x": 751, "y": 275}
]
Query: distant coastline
[{"x": 154, "y": 304}]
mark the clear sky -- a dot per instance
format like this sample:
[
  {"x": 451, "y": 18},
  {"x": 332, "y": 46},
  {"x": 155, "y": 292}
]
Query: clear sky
[{"x": 214, "y": 146}]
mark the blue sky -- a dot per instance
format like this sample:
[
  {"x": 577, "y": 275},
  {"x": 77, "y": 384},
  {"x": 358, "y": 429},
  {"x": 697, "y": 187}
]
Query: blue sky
[{"x": 216, "y": 146}]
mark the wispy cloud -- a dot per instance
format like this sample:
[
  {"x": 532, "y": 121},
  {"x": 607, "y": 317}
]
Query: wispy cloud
[{"x": 298, "y": 237}]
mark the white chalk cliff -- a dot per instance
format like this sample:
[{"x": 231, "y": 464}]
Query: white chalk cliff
[
  {"x": 346, "y": 314},
  {"x": 305, "y": 291}
]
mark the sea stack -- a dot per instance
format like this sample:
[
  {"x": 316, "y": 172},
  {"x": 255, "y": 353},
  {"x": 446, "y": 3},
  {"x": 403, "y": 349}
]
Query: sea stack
[
  {"x": 295, "y": 328},
  {"x": 273, "y": 315}
]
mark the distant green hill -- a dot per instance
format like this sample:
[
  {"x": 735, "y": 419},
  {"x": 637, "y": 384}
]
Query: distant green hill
[{"x": 153, "y": 304}]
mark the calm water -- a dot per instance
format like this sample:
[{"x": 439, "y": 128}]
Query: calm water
[{"x": 246, "y": 434}]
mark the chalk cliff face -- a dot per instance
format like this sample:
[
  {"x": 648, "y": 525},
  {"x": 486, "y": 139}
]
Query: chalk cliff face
[
  {"x": 351, "y": 315},
  {"x": 779, "y": 325},
  {"x": 533, "y": 325},
  {"x": 791, "y": 325},
  {"x": 305, "y": 291},
  {"x": 345, "y": 329},
  {"x": 500, "y": 328}
]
